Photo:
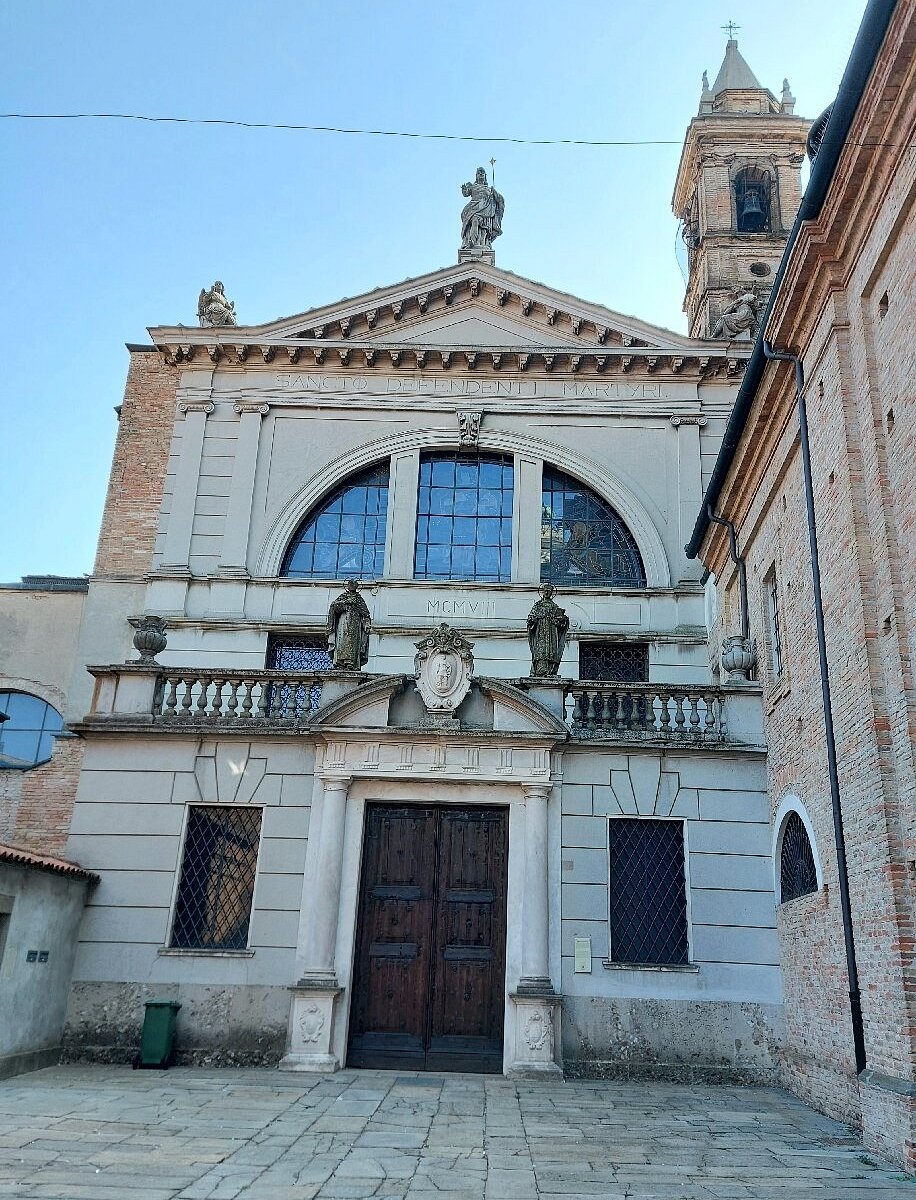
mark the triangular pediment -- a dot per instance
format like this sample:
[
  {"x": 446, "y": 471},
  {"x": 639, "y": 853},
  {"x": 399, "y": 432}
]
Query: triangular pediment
[{"x": 469, "y": 304}]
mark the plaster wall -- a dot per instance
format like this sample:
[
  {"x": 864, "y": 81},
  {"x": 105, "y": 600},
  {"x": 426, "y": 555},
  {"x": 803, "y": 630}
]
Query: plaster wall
[{"x": 38, "y": 911}]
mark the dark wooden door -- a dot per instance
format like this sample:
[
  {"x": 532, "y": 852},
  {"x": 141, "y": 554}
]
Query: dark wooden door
[{"x": 429, "y": 975}]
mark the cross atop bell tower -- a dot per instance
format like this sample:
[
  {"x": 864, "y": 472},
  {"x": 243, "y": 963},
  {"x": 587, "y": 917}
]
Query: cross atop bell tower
[{"x": 737, "y": 190}]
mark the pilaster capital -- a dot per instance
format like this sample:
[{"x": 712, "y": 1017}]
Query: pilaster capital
[
  {"x": 193, "y": 406},
  {"x": 333, "y": 782},
  {"x": 242, "y": 409},
  {"x": 536, "y": 791}
]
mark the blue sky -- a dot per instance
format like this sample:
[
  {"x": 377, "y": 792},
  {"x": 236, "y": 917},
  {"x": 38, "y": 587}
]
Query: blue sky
[{"x": 107, "y": 227}]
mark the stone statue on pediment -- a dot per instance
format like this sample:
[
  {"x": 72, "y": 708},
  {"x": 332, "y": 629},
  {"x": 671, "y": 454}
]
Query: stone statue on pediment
[
  {"x": 481, "y": 217},
  {"x": 213, "y": 308},
  {"x": 739, "y": 318},
  {"x": 349, "y": 622},
  {"x": 548, "y": 625}
]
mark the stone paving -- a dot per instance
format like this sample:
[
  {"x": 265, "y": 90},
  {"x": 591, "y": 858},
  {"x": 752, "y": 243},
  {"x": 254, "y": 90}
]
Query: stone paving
[{"x": 107, "y": 1133}]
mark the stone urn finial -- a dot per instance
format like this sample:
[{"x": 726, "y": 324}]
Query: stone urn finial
[
  {"x": 739, "y": 657},
  {"x": 150, "y": 639}
]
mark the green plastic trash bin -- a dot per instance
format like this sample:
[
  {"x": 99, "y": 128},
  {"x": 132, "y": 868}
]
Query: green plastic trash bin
[{"x": 158, "y": 1037}]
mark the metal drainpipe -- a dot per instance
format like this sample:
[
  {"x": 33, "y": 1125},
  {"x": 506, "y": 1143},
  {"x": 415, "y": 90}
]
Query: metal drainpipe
[
  {"x": 739, "y": 564},
  {"x": 855, "y": 1002}
]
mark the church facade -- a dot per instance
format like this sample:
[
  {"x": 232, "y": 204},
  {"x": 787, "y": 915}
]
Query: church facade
[{"x": 402, "y": 739}]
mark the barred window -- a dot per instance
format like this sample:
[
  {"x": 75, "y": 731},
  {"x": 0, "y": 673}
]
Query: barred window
[
  {"x": 344, "y": 536},
  {"x": 306, "y": 653},
  {"x": 464, "y": 517},
  {"x": 774, "y": 624},
  {"x": 584, "y": 543},
  {"x": 213, "y": 909},
  {"x": 648, "y": 894},
  {"x": 797, "y": 872},
  {"x": 614, "y": 662}
]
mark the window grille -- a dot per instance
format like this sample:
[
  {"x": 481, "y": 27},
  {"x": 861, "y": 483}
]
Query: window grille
[
  {"x": 614, "y": 662},
  {"x": 213, "y": 909},
  {"x": 797, "y": 873},
  {"x": 305, "y": 654},
  {"x": 464, "y": 517},
  {"x": 776, "y": 660},
  {"x": 344, "y": 536},
  {"x": 584, "y": 543},
  {"x": 648, "y": 908}
]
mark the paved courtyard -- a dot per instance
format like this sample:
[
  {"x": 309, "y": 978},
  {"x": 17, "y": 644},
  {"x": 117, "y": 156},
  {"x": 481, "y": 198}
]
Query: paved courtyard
[{"x": 107, "y": 1133}]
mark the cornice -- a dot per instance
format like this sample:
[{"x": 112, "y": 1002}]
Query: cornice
[{"x": 710, "y": 359}]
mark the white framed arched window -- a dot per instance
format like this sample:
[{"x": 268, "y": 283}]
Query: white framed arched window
[{"x": 797, "y": 867}]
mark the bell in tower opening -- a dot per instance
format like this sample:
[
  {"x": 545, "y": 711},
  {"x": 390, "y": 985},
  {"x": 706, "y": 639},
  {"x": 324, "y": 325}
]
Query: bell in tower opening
[{"x": 752, "y": 200}]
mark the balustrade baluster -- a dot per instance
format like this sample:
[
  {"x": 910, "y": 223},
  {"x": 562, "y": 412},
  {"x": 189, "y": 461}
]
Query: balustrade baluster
[
  {"x": 247, "y": 702},
  {"x": 680, "y": 719},
  {"x": 694, "y": 716},
  {"x": 171, "y": 696},
  {"x": 233, "y": 701},
  {"x": 664, "y": 717},
  {"x": 200, "y": 709},
  {"x": 709, "y": 723},
  {"x": 187, "y": 697}
]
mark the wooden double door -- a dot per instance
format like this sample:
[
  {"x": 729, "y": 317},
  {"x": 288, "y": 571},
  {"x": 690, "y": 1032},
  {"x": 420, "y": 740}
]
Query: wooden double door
[{"x": 429, "y": 972}]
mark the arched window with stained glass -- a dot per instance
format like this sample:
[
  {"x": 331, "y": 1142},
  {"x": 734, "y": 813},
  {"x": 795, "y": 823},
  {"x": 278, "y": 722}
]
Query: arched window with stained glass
[
  {"x": 584, "y": 543},
  {"x": 343, "y": 537}
]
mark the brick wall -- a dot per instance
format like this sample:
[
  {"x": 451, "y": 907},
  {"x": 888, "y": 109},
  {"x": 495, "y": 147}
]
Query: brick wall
[
  {"x": 138, "y": 470},
  {"x": 46, "y": 798},
  {"x": 847, "y": 303}
]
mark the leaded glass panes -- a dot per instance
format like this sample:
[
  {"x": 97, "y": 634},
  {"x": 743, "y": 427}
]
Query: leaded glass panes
[
  {"x": 213, "y": 909},
  {"x": 797, "y": 873},
  {"x": 648, "y": 896},
  {"x": 584, "y": 543},
  {"x": 464, "y": 517},
  {"x": 27, "y": 735},
  {"x": 614, "y": 662},
  {"x": 344, "y": 537}
]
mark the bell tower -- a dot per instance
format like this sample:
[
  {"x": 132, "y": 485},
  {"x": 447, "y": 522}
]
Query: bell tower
[{"x": 737, "y": 191}]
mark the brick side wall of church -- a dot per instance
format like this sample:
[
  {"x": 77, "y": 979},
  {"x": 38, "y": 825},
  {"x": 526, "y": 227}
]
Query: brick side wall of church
[
  {"x": 138, "y": 470},
  {"x": 863, "y": 443}
]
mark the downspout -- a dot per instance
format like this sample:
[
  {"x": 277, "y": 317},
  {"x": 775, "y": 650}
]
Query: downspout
[
  {"x": 739, "y": 564},
  {"x": 855, "y": 1002}
]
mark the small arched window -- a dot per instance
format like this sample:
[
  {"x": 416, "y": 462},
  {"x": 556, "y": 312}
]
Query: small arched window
[
  {"x": 584, "y": 543},
  {"x": 27, "y": 732},
  {"x": 797, "y": 872},
  {"x": 752, "y": 200},
  {"x": 343, "y": 537}
]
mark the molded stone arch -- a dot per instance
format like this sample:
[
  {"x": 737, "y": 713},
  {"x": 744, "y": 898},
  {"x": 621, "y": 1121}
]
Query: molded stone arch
[
  {"x": 618, "y": 493},
  {"x": 788, "y": 805}
]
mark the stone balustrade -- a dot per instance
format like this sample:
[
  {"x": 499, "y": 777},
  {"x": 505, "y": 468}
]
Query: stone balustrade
[
  {"x": 647, "y": 711},
  {"x": 130, "y": 695}
]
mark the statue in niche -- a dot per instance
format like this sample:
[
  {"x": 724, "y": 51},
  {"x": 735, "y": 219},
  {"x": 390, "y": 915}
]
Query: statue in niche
[
  {"x": 349, "y": 623},
  {"x": 213, "y": 308},
  {"x": 740, "y": 317},
  {"x": 481, "y": 217},
  {"x": 548, "y": 625}
]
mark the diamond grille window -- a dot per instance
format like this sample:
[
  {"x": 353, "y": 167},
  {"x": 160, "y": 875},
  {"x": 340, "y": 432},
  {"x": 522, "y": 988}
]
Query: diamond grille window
[
  {"x": 797, "y": 873},
  {"x": 648, "y": 891},
  {"x": 305, "y": 654},
  {"x": 213, "y": 909},
  {"x": 614, "y": 662}
]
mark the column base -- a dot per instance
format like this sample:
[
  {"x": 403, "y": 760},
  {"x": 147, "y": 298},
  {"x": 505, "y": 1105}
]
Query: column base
[
  {"x": 311, "y": 1025},
  {"x": 537, "y": 1020}
]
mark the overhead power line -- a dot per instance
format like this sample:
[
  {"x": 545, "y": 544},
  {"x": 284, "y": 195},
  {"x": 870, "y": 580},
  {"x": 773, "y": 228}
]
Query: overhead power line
[
  {"x": 401, "y": 133},
  {"x": 389, "y": 133}
]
